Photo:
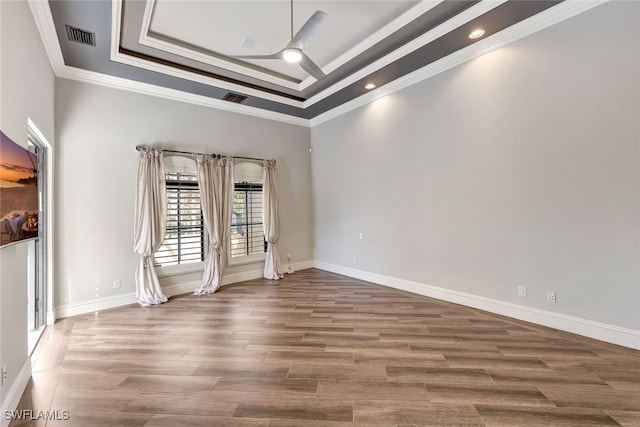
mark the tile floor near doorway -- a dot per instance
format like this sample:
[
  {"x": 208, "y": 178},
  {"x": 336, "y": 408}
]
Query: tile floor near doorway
[{"x": 320, "y": 349}]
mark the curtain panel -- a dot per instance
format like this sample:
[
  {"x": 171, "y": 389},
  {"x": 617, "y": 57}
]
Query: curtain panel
[
  {"x": 149, "y": 224},
  {"x": 215, "y": 180},
  {"x": 271, "y": 220}
]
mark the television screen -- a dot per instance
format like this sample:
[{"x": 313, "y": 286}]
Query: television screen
[{"x": 18, "y": 192}]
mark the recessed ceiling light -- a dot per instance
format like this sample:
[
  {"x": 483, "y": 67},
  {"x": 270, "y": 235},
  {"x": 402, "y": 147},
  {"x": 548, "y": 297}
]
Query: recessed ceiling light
[
  {"x": 292, "y": 55},
  {"x": 369, "y": 86},
  {"x": 476, "y": 34}
]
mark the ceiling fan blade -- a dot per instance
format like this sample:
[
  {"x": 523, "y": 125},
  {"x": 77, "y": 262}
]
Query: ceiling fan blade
[
  {"x": 305, "y": 33},
  {"x": 310, "y": 67},
  {"x": 277, "y": 55}
]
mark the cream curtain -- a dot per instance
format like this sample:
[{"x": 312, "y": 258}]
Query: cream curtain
[
  {"x": 215, "y": 179},
  {"x": 149, "y": 224},
  {"x": 271, "y": 220}
]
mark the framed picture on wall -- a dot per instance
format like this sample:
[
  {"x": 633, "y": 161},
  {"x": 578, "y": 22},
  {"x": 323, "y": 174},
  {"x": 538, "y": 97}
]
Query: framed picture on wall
[{"x": 18, "y": 192}]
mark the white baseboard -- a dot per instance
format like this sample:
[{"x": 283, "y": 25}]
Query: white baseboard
[
  {"x": 18, "y": 387},
  {"x": 297, "y": 266},
  {"x": 588, "y": 328},
  {"x": 188, "y": 287},
  {"x": 97, "y": 304}
]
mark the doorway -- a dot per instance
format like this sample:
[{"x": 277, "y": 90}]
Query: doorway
[{"x": 37, "y": 249}]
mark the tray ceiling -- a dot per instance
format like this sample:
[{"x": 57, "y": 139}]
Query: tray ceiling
[{"x": 191, "y": 47}]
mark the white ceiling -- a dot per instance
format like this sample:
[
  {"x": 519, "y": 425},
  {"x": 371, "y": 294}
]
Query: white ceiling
[
  {"x": 180, "y": 49},
  {"x": 223, "y": 26}
]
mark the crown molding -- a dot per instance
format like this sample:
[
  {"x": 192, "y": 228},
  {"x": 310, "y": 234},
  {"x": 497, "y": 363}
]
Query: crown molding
[
  {"x": 378, "y": 36},
  {"x": 117, "y": 56},
  {"x": 146, "y": 40},
  {"x": 440, "y": 30},
  {"x": 193, "y": 77},
  {"x": 44, "y": 22},
  {"x": 149, "y": 41},
  {"x": 100, "y": 79},
  {"x": 464, "y": 17},
  {"x": 203, "y": 58},
  {"x": 565, "y": 10},
  {"x": 547, "y": 18}
]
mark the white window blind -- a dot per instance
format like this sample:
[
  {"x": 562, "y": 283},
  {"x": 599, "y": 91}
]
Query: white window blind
[
  {"x": 184, "y": 236},
  {"x": 247, "y": 234}
]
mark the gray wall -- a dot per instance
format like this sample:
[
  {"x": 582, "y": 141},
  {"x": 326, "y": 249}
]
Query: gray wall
[
  {"x": 517, "y": 168},
  {"x": 27, "y": 91},
  {"x": 98, "y": 128}
]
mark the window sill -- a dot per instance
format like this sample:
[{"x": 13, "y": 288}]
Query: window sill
[
  {"x": 176, "y": 270},
  {"x": 198, "y": 267},
  {"x": 249, "y": 259}
]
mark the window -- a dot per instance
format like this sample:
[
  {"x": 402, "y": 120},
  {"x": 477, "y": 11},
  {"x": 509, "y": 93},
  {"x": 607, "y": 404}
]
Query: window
[
  {"x": 247, "y": 235},
  {"x": 247, "y": 242},
  {"x": 184, "y": 237}
]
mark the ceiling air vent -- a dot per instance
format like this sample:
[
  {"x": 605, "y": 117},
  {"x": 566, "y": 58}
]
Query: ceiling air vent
[
  {"x": 234, "y": 97},
  {"x": 81, "y": 36}
]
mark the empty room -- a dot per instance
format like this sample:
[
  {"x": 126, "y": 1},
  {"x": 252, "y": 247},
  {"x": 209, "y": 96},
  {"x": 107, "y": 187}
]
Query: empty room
[{"x": 320, "y": 213}]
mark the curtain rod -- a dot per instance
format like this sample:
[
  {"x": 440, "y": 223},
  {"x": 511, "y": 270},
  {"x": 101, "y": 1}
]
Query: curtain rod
[{"x": 139, "y": 147}]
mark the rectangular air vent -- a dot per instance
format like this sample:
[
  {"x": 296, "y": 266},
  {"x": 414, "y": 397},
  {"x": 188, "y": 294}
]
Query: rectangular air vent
[
  {"x": 81, "y": 36},
  {"x": 234, "y": 97}
]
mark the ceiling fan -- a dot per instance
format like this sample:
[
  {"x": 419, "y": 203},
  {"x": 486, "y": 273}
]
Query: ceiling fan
[{"x": 293, "y": 51}]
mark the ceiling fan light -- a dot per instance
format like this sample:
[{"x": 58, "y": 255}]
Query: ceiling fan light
[{"x": 292, "y": 55}]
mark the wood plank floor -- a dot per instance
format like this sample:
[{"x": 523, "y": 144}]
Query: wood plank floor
[{"x": 319, "y": 349}]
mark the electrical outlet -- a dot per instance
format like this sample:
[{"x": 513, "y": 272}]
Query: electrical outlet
[
  {"x": 551, "y": 296},
  {"x": 116, "y": 284},
  {"x": 4, "y": 373},
  {"x": 289, "y": 268},
  {"x": 522, "y": 291},
  {"x": 353, "y": 260},
  {"x": 360, "y": 236}
]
